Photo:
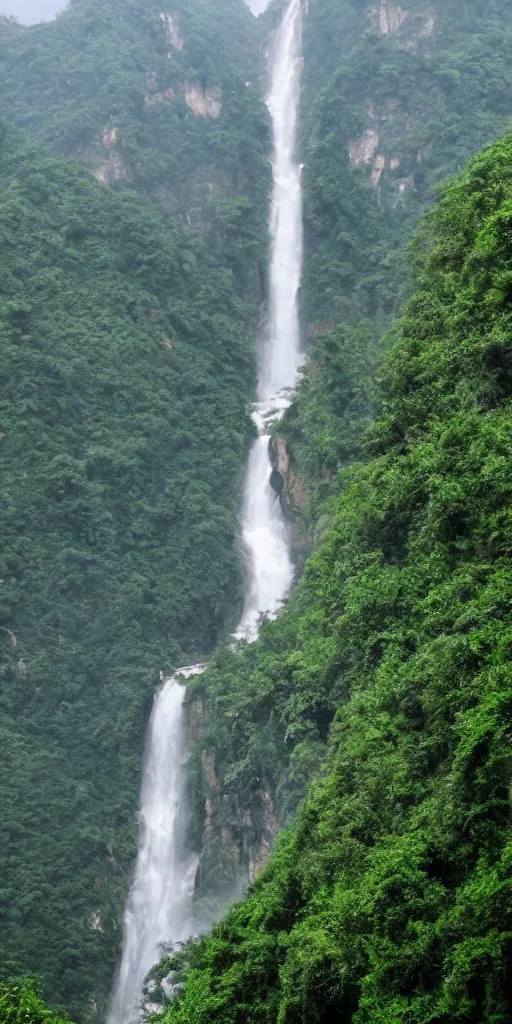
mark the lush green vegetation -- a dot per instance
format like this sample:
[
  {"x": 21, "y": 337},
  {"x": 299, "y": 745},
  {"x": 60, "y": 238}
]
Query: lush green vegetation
[
  {"x": 127, "y": 368},
  {"x": 390, "y": 898},
  {"x": 20, "y": 1004},
  {"x": 107, "y": 82},
  {"x": 126, "y": 323},
  {"x": 433, "y": 93}
]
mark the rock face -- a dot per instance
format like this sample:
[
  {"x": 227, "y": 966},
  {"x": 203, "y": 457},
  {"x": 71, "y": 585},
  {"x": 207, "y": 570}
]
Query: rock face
[
  {"x": 362, "y": 150},
  {"x": 268, "y": 827},
  {"x": 203, "y": 102},
  {"x": 114, "y": 167},
  {"x": 391, "y": 17},
  {"x": 236, "y": 841},
  {"x": 369, "y": 148},
  {"x": 172, "y": 30},
  {"x": 293, "y": 492}
]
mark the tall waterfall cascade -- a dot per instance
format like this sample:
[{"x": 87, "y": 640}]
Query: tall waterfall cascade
[
  {"x": 159, "y": 908},
  {"x": 265, "y": 531}
]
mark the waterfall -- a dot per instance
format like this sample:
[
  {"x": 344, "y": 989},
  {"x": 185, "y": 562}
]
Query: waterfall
[
  {"x": 159, "y": 905},
  {"x": 159, "y": 909},
  {"x": 265, "y": 532}
]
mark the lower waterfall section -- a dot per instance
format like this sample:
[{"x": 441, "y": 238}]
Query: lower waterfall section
[{"x": 159, "y": 909}]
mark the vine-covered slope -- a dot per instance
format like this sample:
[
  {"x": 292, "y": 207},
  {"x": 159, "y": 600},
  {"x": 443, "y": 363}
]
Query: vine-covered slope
[{"x": 390, "y": 898}]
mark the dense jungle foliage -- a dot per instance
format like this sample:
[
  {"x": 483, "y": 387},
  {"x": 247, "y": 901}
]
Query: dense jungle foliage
[
  {"x": 127, "y": 368},
  {"x": 20, "y": 1004},
  {"x": 390, "y": 898}
]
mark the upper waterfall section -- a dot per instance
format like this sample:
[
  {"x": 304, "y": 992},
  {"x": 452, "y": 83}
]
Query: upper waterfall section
[{"x": 281, "y": 357}]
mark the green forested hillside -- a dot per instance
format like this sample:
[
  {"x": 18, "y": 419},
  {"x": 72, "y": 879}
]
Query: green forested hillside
[
  {"x": 128, "y": 311},
  {"x": 127, "y": 328},
  {"x": 127, "y": 368},
  {"x": 390, "y": 898},
  {"x": 162, "y": 97},
  {"x": 395, "y": 98}
]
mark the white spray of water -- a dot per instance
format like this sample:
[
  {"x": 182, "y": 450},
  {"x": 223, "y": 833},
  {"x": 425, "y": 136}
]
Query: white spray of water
[
  {"x": 265, "y": 532},
  {"x": 160, "y": 901},
  {"x": 159, "y": 909}
]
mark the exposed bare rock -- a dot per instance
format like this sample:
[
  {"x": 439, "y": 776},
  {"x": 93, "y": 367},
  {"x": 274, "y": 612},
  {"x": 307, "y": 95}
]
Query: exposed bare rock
[
  {"x": 208, "y": 821},
  {"x": 172, "y": 30},
  {"x": 109, "y": 137},
  {"x": 96, "y": 924},
  {"x": 213, "y": 785},
  {"x": 363, "y": 149},
  {"x": 114, "y": 168},
  {"x": 403, "y": 185},
  {"x": 379, "y": 165},
  {"x": 429, "y": 22},
  {"x": 260, "y": 854},
  {"x": 159, "y": 97},
  {"x": 209, "y": 770},
  {"x": 394, "y": 163},
  {"x": 294, "y": 492},
  {"x": 230, "y": 846},
  {"x": 203, "y": 102},
  {"x": 196, "y": 718},
  {"x": 389, "y": 17}
]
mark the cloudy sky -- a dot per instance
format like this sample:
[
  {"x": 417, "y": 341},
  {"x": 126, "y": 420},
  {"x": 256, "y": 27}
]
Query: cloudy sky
[{"x": 30, "y": 11}]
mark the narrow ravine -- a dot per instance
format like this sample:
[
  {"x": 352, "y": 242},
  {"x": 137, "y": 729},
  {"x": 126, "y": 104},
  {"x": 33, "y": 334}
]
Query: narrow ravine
[{"x": 159, "y": 907}]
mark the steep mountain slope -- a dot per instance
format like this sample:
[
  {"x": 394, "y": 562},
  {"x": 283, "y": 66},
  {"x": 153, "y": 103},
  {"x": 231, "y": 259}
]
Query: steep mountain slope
[
  {"x": 128, "y": 366},
  {"x": 395, "y": 98},
  {"x": 438, "y": 86},
  {"x": 390, "y": 899}
]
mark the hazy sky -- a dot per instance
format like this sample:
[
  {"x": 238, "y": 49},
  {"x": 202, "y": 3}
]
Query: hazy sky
[
  {"x": 257, "y": 6},
  {"x": 30, "y": 11}
]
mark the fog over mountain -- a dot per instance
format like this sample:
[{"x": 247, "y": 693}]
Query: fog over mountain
[{"x": 29, "y": 12}]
